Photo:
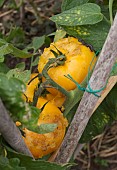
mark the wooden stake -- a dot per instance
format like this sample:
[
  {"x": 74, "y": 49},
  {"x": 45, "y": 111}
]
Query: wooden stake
[{"x": 98, "y": 80}]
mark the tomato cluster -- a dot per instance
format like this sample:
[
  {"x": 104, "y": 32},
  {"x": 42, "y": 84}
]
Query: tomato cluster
[{"x": 74, "y": 59}]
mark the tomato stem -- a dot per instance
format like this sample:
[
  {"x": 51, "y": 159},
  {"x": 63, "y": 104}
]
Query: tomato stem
[
  {"x": 38, "y": 93},
  {"x": 110, "y": 11},
  {"x": 57, "y": 61}
]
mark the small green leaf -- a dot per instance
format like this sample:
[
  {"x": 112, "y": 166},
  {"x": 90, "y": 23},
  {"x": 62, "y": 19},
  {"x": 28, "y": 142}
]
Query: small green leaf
[
  {"x": 1, "y": 59},
  {"x": 21, "y": 75},
  {"x": 11, "y": 91},
  {"x": 46, "y": 128},
  {"x": 38, "y": 42},
  {"x": 20, "y": 66},
  {"x": 3, "y": 68},
  {"x": 16, "y": 35},
  {"x": 35, "y": 62},
  {"x": 30, "y": 120},
  {"x": 2, "y": 42},
  {"x": 19, "y": 53},
  {"x": 68, "y": 4},
  {"x": 5, "y": 49},
  {"x": 102, "y": 162},
  {"x": 85, "y": 14},
  {"x": 59, "y": 34}
]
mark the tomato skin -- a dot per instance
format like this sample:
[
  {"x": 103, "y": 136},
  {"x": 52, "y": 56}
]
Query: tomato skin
[
  {"x": 78, "y": 59},
  {"x": 43, "y": 144},
  {"x": 57, "y": 99},
  {"x": 29, "y": 93}
]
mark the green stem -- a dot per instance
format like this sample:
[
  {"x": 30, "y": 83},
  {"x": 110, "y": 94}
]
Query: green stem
[
  {"x": 57, "y": 61},
  {"x": 31, "y": 63},
  {"x": 107, "y": 20},
  {"x": 37, "y": 94},
  {"x": 110, "y": 10}
]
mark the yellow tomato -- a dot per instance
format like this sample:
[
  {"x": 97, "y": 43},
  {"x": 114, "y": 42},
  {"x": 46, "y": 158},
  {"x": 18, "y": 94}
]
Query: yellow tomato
[
  {"x": 43, "y": 144},
  {"x": 58, "y": 100},
  {"x": 78, "y": 60},
  {"x": 30, "y": 89}
]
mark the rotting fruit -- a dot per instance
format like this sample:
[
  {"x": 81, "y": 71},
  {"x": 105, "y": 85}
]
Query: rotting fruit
[
  {"x": 77, "y": 62},
  {"x": 31, "y": 87},
  {"x": 44, "y": 144},
  {"x": 57, "y": 99}
]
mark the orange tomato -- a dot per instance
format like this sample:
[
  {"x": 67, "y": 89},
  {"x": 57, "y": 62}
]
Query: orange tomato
[
  {"x": 30, "y": 89},
  {"x": 43, "y": 144},
  {"x": 77, "y": 63}
]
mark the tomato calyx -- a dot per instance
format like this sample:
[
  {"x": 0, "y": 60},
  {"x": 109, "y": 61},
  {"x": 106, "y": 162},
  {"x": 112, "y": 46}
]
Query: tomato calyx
[{"x": 49, "y": 64}]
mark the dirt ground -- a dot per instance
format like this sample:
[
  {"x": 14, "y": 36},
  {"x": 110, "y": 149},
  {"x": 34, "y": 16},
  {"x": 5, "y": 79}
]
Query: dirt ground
[{"x": 33, "y": 18}]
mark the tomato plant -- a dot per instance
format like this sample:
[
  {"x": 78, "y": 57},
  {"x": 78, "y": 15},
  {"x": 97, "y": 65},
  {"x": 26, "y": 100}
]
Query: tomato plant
[{"x": 45, "y": 94}]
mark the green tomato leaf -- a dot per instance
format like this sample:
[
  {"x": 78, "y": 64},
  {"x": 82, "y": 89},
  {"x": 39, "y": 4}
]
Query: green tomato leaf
[
  {"x": 105, "y": 114},
  {"x": 2, "y": 42},
  {"x": 35, "y": 62},
  {"x": 21, "y": 75},
  {"x": 1, "y": 59},
  {"x": 3, "y": 68},
  {"x": 46, "y": 128},
  {"x": 59, "y": 34},
  {"x": 91, "y": 34},
  {"x": 38, "y": 42},
  {"x": 68, "y": 4},
  {"x": 29, "y": 120},
  {"x": 20, "y": 66},
  {"x": 11, "y": 91},
  {"x": 7, "y": 48},
  {"x": 85, "y": 14},
  {"x": 19, "y": 53},
  {"x": 16, "y": 35},
  {"x": 31, "y": 164},
  {"x": 10, "y": 164}
]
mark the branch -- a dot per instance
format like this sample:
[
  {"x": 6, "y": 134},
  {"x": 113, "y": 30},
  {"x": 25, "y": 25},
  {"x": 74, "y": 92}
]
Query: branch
[
  {"x": 36, "y": 12},
  {"x": 11, "y": 133},
  {"x": 98, "y": 80}
]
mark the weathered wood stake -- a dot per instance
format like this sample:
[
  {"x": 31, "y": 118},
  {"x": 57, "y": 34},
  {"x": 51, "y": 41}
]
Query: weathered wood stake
[
  {"x": 97, "y": 81},
  {"x": 11, "y": 133}
]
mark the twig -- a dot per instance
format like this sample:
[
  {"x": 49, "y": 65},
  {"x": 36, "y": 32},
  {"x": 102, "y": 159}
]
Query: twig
[
  {"x": 78, "y": 149},
  {"x": 98, "y": 80},
  {"x": 6, "y": 13},
  {"x": 11, "y": 133},
  {"x": 89, "y": 157},
  {"x": 22, "y": 11},
  {"x": 36, "y": 12}
]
